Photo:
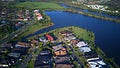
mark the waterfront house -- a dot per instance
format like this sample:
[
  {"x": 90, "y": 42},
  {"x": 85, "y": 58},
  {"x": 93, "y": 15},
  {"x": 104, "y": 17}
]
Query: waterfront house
[
  {"x": 90, "y": 54},
  {"x": 43, "y": 39},
  {"x": 81, "y": 43},
  {"x": 69, "y": 38},
  {"x": 49, "y": 37},
  {"x": 66, "y": 33},
  {"x": 96, "y": 63},
  {"x": 84, "y": 49}
]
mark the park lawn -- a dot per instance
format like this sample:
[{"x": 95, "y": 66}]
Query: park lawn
[{"x": 39, "y": 5}]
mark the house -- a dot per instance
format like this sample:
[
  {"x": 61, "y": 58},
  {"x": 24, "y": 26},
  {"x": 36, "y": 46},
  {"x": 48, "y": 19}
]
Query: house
[
  {"x": 38, "y": 15},
  {"x": 8, "y": 45},
  {"x": 66, "y": 33},
  {"x": 3, "y": 50},
  {"x": 59, "y": 50},
  {"x": 43, "y": 39},
  {"x": 90, "y": 54},
  {"x": 20, "y": 50},
  {"x": 85, "y": 49},
  {"x": 49, "y": 37},
  {"x": 3, "y": 63},
  {"x": 55, "y": 48},
  {"x": 43, "y": 60},
  {"x": 96, "y": 63},
  {"x": 45, "y": 52},
  {"x": 21, "y": 44},
  {"x": 64, "y": 66},
  {"x": 62, "y": 60},
  {"x": 69, "y": 38},
  {"x": 44, "y": 66},
  {"x": 34, "y": 42},
  {"x": 74, "y": 41},
  {"x": 36, "y": 11},
  {"x": 14, "y": 54},
  {"x": 81, "y": 43},
  {"x": 92, "y": 59}
]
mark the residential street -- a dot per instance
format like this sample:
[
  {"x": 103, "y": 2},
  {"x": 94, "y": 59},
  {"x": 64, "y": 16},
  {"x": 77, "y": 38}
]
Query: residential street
[{"x": 25, "y": 61}]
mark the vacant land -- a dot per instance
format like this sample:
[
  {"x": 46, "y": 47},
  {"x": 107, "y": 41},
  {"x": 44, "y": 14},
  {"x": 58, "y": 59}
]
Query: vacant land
[{"x": 38, "y": 5}]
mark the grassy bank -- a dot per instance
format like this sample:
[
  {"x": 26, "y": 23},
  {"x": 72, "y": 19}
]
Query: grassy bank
[
  {"x": 38, "y": 5},
  {"x": 93, "y": 15}
]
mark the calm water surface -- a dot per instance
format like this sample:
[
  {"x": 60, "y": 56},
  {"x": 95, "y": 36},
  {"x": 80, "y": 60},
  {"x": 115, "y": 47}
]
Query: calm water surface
[{"x": 107, "y": 33}]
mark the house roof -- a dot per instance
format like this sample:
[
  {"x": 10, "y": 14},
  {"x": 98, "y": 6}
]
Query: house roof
[
  {"x": 42, "y": 38},
  {"x": 44, "y": 66},
  {"x": 93, "y": 59},
  {"x": 71, "y": 37},
  {"x": 96, "y": 63},
  {"x": 81, "y": 43},
  {"x": 90, "y": 54},
  {"x": 3, "y": 63},
  {"x": 50, "y": 38},
  {"x": 66, "y": 32},
  {"x": 21, "y": 44},
  {"x": 62, "y": 60},
  {"x": 43, "y": 60},
  {"x": 63, "y": 66},
  {"x": 85, "y": 49},
  {"x": 13, "y": 54},
  {"x": 58, "y": 47},
  {"x": 74, "y": 41},
  {"x": 46, "y": 52},
  {"x": 34, "y": 41}
]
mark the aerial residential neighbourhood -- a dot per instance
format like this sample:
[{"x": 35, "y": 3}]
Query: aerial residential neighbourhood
[{"x": 59, "y": 33}]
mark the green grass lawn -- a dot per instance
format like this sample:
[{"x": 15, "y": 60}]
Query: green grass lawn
[{"x": 39, "y": 5}]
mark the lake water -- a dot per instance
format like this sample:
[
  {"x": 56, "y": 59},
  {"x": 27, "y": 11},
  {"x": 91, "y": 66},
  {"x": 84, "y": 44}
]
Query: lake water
[{"x": 107, "y": 33}]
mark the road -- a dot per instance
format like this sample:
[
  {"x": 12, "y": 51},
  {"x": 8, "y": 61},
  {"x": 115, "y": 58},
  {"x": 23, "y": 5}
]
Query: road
[
  {"x": 77, "y": 57},
  {"x": 26, "y": 60}
]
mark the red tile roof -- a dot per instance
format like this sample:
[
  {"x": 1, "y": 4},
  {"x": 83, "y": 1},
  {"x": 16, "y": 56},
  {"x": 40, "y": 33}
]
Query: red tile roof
[{"x": 50, "y": 38}]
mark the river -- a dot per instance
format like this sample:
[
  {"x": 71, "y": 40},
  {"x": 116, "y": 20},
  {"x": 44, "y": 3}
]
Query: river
[{"x": 107, "y": 33}]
